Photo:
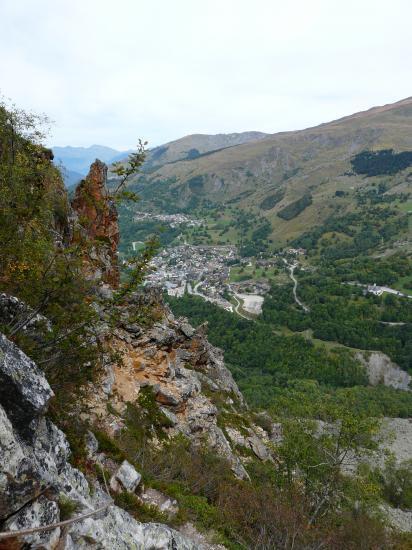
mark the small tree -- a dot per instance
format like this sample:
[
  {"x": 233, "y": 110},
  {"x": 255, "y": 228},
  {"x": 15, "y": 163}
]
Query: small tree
[
  {"x": 316, "y": 455},
  {"x": 40, "y": 267}
]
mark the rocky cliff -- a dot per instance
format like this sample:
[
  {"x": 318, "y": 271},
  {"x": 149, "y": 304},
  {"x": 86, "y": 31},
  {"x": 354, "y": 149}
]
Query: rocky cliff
[
  {"x": 188, "y": 378},
  {"x": 145, "y": 352},
  {"x": 36, "y": 477}
]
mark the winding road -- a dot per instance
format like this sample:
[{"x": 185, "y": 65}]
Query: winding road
[
  {"x": 291, "y": 269},
  {"x": 237, "y": 308},
  {"x": 196, "y": 292}
]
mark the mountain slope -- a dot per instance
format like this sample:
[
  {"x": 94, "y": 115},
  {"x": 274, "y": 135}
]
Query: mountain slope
[
  {"x": 70, "y": 177},
  {"x": 290, "y": 165},
  {"x": 195, "y": 145}
]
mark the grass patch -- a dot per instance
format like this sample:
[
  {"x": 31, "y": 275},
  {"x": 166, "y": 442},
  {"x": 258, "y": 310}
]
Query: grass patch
[
  {"x": 138, "y": 509},
  {"x": 67, "y": 507}
]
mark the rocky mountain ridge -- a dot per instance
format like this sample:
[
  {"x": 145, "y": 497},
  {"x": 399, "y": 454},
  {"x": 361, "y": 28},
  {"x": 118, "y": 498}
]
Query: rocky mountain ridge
[{"x": 76, "y": 160}]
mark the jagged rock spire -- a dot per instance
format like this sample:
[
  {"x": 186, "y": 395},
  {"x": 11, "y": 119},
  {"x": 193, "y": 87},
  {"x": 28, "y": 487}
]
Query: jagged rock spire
[{"x": 97, "y": 216}]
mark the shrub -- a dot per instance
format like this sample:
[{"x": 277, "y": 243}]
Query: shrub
[
  {"x": 138, "y": 509},
  {"x": 67, "y": 507},
  {"x": 396, "y": 480}
]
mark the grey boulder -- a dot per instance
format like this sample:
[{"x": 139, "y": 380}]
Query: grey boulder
[
  {"x": 126, "y": 478},
  {"x": 24, "y": 391}
]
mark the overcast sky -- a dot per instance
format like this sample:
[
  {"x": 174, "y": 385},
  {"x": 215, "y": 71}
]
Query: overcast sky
[{"x": 111, "y": 71}]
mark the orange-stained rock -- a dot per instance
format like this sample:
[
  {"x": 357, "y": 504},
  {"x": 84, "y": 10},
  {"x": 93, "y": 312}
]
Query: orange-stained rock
[
  {"x": 187, "y": 377},
  {"x": 97, "y": 217}
]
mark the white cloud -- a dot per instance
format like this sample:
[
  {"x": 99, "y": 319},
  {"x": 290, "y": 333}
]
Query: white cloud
[{"x": 110, "y": 72}]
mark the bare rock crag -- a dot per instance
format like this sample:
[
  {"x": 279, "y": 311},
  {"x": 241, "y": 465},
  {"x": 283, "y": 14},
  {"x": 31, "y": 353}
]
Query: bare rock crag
[{"x": 97, "y": 223}]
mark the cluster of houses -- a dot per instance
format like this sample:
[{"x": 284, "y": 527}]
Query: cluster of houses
[
  {"x": 174, "y": 220},
  {"x": 186, "y": 267}
]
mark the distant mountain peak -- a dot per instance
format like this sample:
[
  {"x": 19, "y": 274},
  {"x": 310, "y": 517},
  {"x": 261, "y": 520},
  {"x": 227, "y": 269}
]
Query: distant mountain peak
[{"x": 77, "y": 160}]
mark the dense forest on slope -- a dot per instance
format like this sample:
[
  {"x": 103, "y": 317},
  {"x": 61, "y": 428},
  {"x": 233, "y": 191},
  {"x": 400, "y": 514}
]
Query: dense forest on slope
[
  {"x": 341, "y": 312},
  {"x": 290, "y": 374},
  {"x": 295, "y": 208},
  {"x": 272, "y": 200},
  {"x": 379, "y": 163},
  {"x": 353, "y": 234}
]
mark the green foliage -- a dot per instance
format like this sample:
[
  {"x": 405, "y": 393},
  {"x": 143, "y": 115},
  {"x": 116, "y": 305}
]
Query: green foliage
[
  {"x": 235, "y": 420},
  {"x": 124, "y": 172},
  {"x": 256, "y": 348},
  {"x": 256, "y": 243},
  {"x": 307, "y": 398},
  {"x": 197, "y": 508},
  {"x": 144, "y": 421},
  {"x": 274, "y": 506},
  {"x": 46, "y": 276},
  {"x": 196, "y": 184},
  {"x": 396, "y": 481},
  {"x": 135, "y": 270},
  {"x": 318, "y": 453},
  {"x": 147, "y": 415},
  {"x": 363, "y": 231},
  {"x": 289, "y": 374},
  {"x": 139, "y": 510},
  {"x": 109, "y": 446},
  {"x": 341, "y": 312},
  {"x": 75, "y": 433}
]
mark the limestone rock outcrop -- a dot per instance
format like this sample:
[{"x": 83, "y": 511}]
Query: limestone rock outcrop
[
  {"x": 96, "y": 217},
  {"x": 381, "y": 370},
  {"x": 189, "y": 379},
  {"x": 35, "y": 475},
  {"x": 24, "y": 392}
]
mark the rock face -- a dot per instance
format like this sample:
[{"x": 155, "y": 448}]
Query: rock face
[
  {"x": 397, "y": 435},
  {"x": 15, "y": 312},
  {"x": 381, "y": 370},
  {"x": 24, "y": 392},
  {"x": 35, "y": 475},
  {"x": 162, "y": 502},
  {"x": 187, "y": 375},
  {"x": 97, "y": 216}
]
